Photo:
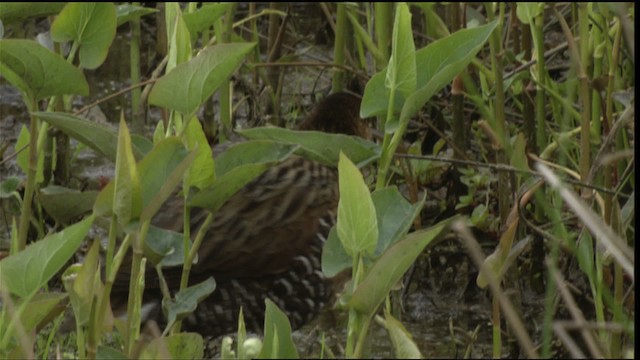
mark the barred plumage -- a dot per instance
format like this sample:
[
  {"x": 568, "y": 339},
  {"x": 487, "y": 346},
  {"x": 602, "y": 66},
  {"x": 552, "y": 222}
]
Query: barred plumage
[{"x": 266, "y": 240}]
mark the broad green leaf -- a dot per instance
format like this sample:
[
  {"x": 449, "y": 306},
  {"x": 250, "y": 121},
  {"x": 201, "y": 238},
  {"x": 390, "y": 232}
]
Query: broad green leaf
[
  {"x": 127, "y": 197},
  {"x": 252, "y": 152},
  {"x": 202, "y": 173},
  {"x": 178, "y": 35},
  {"x": 236, "y": 167},
  {"x": 401, "y": 339},
  {"x": 187, "y": 300},
  {"x": 64, "y": 204},
  {"x": 179, "y": 346},
  {"x": 277, "y": 343},
  {"x": 357, "y": 224},
  {"x": 9, "y": 187},
  {"x": 319, "y": 146},
  {"x": 171, "y": 181},
  {"x": 25, "y": 272},
  {"x": 141, "y": 145},
  {"x": 189, "y": 84},
  {"x": 102, "y": 139},
  {"x": 447, "y": 59},
  {"x": 226, "y": 186},
  {"x": 401, "y": 72},
  {"x": 127, "y": 12},
  {"x": 204, "y": 17},
  {"x": 395, "y": 216},
  {"x": 15, "y": 11},
  {"x": 42, "y": 306},
  {"x": 38, "y": 72},
  {"x": 527, "y": 11},
  {"x": 436, "y": 64},
  {"x": 154, "y": 170},
  {"x": 91, "y": 25},
  {"x": 392, "y": 265},
  {"x": 80, "y": 283},
  {"x": 164, "y": 247},
  {"x": 334, "y": 257}
]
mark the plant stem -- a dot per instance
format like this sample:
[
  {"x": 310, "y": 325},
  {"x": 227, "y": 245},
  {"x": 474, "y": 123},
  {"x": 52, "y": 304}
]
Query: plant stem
[
  {"x": 134, "y": 55},
  {"x": 135, "y": 296},
  {"x": 25, "y": 215}
]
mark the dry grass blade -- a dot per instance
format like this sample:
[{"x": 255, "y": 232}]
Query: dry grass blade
[
  {"x": 510, "y": 313},
  {"x": 605, "y": 236}
]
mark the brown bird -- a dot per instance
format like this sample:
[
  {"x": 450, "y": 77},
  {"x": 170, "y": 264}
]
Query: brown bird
[{"x": 266, "y": 240}]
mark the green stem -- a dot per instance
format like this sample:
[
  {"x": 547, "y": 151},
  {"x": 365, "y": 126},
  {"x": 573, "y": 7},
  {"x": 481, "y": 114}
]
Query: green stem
[
  {"x": 186, "y": 270},
  {"x": 134, "y": 55},
  {"x": 25, "y": 215},
  {"x": 135, "y": 296},
  {"x": 388, "y": 149},
  {"x": 383, "y": 26},
  {"x": 585, "y": 148}
]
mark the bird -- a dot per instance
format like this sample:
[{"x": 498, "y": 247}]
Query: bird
[{"x": 264, "y": 242}]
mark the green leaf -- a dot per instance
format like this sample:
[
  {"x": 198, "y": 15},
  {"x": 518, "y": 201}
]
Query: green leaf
[
  {"x": 102, "y": 139},
  {"x": 38, "y": 72},
  {"x": 436, "y": 64},
  {"x": 226, "y": 186},
  {"x": 187, "y": 300},
  {"x": 277, "y": 343},
  {"x": 178, "y": 346},
  {"x": 319, "y": 146},
  {"x": 164, "y": 247},
  {"x": 395, "y": 216},
  {"x": 127, "y": 199},
  {"x": 204, "y": 17},
  {"x": 357, "y": 224},
  {"x": 252, "y": 152},
  {"x": 401, "y": 72},
  {"x": 42, "y": 306},
  {"x": 189, "y": 84},
  {"x": 391, "y": 266},
  {"x": 178, "y": 35},
  {"x": 238, "y": 166},
  {"x": 64, "y": 204},
  {"x": 80, "y": 283},
  {"x": 171, "y": 181},
  {"x": 401, "y": 339},
  {"x": 25, "y": 272},
  {"x": 447, "y": 58},
  {"x": 154, "y": 170},
  {"x": 334, "y": 257},
  {"x": 527, "y": 11},
  {"x": 202, "y": 173},
  {"x": 9, "y": 187},
  {"x": 13, "y": 12},
  {"x": 91, "y": 25},
  {"x": 127, "y": 12}
]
